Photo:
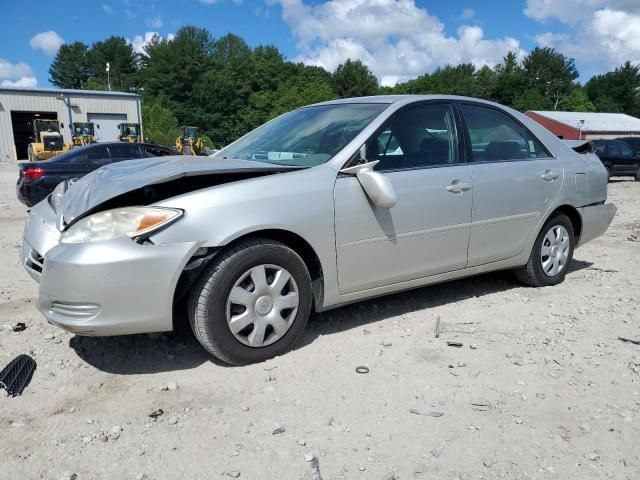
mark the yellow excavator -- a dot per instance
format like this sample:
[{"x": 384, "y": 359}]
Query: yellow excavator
[
  {"x": 190, "y": 142},
  {"x": 130, "y": 132},
  {"x": 83, "y": 134},
  {"x": 47, "y": 141}
]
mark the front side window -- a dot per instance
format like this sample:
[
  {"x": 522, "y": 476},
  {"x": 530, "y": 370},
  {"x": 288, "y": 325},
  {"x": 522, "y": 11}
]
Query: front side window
[
  {"x": 624, "y": 148},
  {"x": 495, "y": 136},
  {"x": 305, "y": 137},
  {"x": 423, "y": 136}
]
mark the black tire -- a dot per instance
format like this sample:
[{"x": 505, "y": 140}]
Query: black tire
[
  {"x": 532, "y": 273},
  {"x": 207, "y": 302}
]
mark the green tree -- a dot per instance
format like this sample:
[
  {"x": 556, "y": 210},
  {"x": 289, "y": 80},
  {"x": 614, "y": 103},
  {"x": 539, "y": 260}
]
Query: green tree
[
  {"x": 551, "y": 73},
  {"x": 70, "y": 68},
  {"x": 123, "y": 63},
  {"x": 531, "y": 99},
  {"x": 576, "y": 101},
  {"x": 171, "y": 69},
  {"x": 617, "y": 91},
  {"x": 354, "y": 79},
  {"x": 160, "y": 124},
  {"x": 509, "y": 82}
]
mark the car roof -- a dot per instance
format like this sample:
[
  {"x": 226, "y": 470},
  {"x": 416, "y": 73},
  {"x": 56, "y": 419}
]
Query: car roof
[{"x": 389, "y": 99}]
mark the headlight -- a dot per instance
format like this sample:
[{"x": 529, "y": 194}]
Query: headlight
[{"x": 119, "y": 222}]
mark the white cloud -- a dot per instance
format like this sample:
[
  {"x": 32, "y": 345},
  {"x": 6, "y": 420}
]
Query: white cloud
[
  {"x": 107, "y": 8},
  {"x": 155, "y": 22},
  {"x": 608, "y": 35},
  {"x": 49, "y": 42},
  {"x": 397, "y": 39},
  {"x": 140, "y": 41},
  {"x": 16, "y": 74}
]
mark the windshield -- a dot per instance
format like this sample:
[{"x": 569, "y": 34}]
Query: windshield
[
  {"x": 83, "y": 129},
  {"x": 305, "y": 137},
  {"x": 190, "y": 132},
  {"x": 130, "y": 129}
]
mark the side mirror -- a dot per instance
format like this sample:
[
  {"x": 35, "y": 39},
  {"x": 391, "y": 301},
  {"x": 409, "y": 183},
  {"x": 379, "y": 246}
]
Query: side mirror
[{"x": 377, "y": 186}]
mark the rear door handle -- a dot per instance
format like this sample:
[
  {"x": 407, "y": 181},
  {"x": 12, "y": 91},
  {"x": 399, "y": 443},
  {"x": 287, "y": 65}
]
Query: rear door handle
[
  {"x": 458, "y": 187},
  {"x": 549, "y": 176}
]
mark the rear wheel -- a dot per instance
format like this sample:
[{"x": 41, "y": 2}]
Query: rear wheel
[
  {"x": 252, "y": 303},
  {"x": 551, "y": 255}
]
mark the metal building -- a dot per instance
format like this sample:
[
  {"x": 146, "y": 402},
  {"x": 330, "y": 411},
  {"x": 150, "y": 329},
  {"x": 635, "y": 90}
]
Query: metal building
[
  {"x": 19, "y": 106},
  {"x": 587, "y": 125}
]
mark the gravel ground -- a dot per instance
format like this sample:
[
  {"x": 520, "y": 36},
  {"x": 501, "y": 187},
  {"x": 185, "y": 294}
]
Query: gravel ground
[{"x": 541, "y": 388}]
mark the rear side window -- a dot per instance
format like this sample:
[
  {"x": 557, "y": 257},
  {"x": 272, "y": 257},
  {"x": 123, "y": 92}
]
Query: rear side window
[
  {"x": 124, "y": 151},
  {"x": 495, "y": 136},
  {"x": 614, "y": 149}
]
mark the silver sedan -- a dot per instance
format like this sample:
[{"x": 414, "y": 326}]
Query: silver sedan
[{"x": 323, "y": 206}]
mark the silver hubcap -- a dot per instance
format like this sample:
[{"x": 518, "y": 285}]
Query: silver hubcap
[
  {"x": 555, "y": 251},
  {"x": 262, "y": 305}
]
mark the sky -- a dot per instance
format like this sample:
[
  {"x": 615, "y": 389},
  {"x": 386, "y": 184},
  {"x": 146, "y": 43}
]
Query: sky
[{"x": 397, "y": 39}]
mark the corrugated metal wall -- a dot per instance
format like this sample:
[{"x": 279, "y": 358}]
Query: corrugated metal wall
[{"x": 80, "y": 106}]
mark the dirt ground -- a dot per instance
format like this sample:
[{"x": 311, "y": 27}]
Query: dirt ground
[{"x": 541, "y": 388}]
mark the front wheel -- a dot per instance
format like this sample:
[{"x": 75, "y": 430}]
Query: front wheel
[
  {"x": 252, "y": 303},
  {"x": 551, "y": 255}
]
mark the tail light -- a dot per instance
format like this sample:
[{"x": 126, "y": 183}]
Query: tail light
[{"x": 32, "y": 173}]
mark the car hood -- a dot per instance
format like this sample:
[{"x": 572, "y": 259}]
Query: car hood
[{"x": 111, "y": 181}]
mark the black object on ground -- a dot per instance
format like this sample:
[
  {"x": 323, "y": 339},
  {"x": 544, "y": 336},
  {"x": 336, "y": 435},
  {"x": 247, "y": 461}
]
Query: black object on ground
[
  {"x": 19, "y": 327},
  {"x": 362, "y": 369},
  {"x": 17, "y": 374},
  {"x": 157, "y": 413},
  {"x": 455, "y": 344},
  {"x": 628, "y": 340}
]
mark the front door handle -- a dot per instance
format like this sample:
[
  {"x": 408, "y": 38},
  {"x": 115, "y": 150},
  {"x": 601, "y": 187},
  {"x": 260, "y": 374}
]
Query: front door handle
[
  {"x": 458, "y": 187},
  {"x": 549, "y": 176}
]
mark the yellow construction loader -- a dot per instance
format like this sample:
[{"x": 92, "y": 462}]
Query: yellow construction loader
[
  {"x": 83, "y": 134},
  {"x": 130, "y": 132},
  {"x": 47, "y": 140},
  {"x": 190, "y": 142}
]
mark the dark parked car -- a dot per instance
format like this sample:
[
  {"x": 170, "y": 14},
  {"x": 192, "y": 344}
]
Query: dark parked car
[
  {"x": 618, "y": 158},
  {"x": 633, "y": 142},
  {"x": 38, "y": 179}
]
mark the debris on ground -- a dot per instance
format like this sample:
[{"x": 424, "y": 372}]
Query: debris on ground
[
  {"x": 19, "y": 327},
  {"x": 315, "y": 469},
  {"x": 426, "y": 414},
  {"x": 362, "y": 369},
  {"x": 15, "y": 377},
  {"x": 628, "y": 340},
  {"x": 455, "y": 344}
]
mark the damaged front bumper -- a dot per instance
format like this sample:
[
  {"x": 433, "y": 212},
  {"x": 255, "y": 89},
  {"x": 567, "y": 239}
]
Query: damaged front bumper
[{"x": 113, "y": 287}]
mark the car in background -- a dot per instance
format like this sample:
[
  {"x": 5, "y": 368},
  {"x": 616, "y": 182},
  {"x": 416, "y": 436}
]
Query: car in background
[
  {"x": 323, "y": 206},
  {"x": 618, "y": 158},
  {"x": 633, "y": 142},
  {"x": 37, "y": 180}
]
